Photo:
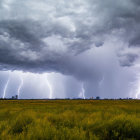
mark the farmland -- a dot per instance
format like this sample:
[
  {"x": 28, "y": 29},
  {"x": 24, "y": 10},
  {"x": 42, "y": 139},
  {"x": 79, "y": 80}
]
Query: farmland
[{"x": 69, "y": 119}]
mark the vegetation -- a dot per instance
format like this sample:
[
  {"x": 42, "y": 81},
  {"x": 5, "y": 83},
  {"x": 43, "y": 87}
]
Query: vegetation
[{"x": 69, "y": 120}]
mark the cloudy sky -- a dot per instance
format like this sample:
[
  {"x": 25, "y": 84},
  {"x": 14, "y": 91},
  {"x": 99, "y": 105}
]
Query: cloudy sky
[{"x": 70, "y": 49}]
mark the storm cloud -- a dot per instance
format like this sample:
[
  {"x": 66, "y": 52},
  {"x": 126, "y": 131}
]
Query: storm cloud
[{"x": 95, "y": 42}]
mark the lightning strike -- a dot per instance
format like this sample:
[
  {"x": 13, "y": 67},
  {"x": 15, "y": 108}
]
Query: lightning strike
[
  {"x": 5, "y": 88},
  {"x": 101, "y": 81},
  {"x": 20, "y": 86},
  {"x": 138, "y": 88},
  {"x": 50, "y": 88},
  {"x": 82, "y": 91}
]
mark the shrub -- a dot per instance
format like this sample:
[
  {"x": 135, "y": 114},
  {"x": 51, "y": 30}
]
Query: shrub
[
  {"x": 21, "y": 123},
  {"x": 120, "y": 128}
]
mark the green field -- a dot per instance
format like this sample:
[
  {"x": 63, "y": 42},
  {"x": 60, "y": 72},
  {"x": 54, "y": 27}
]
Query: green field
[{"x": 69, "y": 119}]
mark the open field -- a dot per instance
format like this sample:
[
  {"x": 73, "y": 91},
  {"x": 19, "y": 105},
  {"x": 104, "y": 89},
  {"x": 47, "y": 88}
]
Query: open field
[{"x": 69, "y": 119}]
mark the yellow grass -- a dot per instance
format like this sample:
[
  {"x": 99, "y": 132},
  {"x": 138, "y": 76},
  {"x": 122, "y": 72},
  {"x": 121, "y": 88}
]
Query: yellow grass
[{"x": 69, "y": 119}]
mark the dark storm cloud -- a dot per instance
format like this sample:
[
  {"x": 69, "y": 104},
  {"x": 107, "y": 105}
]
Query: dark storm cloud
[
  {"x": 22, "y": 36},
  {"x": 128, "y": 59}
]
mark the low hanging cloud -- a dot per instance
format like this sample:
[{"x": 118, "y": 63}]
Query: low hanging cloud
[{"x": 88, "y": 39}]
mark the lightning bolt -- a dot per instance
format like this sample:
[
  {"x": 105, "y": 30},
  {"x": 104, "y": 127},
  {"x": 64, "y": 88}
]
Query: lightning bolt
[
  {"x": 20, "y": 86},
  {"x": 83, "y": 90},
  {"x": 5, "y": 88},
  {"x": 138, "y": 87},
  {"x": 50, "y": 88},
  {"x": 101, "y": 81}
]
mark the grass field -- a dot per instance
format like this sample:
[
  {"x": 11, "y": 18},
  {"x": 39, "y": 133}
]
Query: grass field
[{"x": 69, "y": 119}]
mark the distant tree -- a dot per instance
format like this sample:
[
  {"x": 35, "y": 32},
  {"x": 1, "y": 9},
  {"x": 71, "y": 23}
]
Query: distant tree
[
  {"x": 97, "y": 98},
  {"x": 16, "y": 97}
]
